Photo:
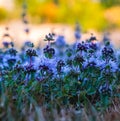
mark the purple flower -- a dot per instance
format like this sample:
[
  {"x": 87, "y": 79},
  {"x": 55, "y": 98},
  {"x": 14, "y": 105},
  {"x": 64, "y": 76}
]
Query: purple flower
[
  {"x": 12, "y": 51},
  {"x": 60, "y": 41},
  {"x": 6, "y": 44},
  {"x": 92, "y": 38},
  {"x": 31, "y": 52},
  {"x": 49, "y": 52},
  {"x": 60, "y": 64},
  {"x": 77, "y": 32},
  {"x": 82, "y": 47},
  {"x": 49, "y": 37},
  {"x": 30, "y": 68}
]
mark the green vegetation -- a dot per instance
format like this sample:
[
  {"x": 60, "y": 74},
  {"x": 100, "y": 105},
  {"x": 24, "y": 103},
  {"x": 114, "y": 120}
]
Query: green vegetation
[
  {"x": 36, "y": 83},
  {"x": 109, "y": 3}
]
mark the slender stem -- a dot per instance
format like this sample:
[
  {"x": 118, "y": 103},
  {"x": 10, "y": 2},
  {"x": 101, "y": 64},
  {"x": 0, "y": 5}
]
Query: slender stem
[
  {"x": 48, "y": 43},
  {"x": 30, "y": 60}
]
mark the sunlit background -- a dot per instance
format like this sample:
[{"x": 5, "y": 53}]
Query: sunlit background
[{"x": 60, "y": 16}]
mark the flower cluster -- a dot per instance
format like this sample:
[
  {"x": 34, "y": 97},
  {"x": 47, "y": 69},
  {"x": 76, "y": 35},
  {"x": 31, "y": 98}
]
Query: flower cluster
[
  {"x": 49, "y": 52},
  {"x": 81, "y": 47},
  {"x": 31, "y": 52},
  {"x": 61, "y": 72}
]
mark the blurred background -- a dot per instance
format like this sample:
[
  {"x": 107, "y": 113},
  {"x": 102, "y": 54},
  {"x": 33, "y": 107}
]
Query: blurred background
[{"x": 95, "y": 15}]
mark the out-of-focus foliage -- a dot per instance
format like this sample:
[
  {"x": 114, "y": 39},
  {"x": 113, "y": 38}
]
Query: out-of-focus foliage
[
  {"x": 88, "y": 13},
  {"x": 3, "y": 14},
  {"x": 109, "y": 3},
  {"x": 95, "y": 14}
]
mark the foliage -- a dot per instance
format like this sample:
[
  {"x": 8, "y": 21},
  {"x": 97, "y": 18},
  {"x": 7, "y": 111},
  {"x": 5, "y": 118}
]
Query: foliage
[
  {"x": 99, "y": 15},
  {"x": 3, "y": 14},
  {"x": 109, "y": 3},
  {"x": 91, "y": 16}
]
